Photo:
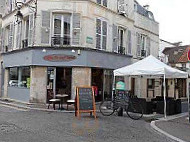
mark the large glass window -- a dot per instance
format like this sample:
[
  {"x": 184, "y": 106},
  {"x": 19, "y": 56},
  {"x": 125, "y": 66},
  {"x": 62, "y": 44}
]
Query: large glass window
[
  {"x": 19, "y": 77},
  {"x": 62, "y": 29}
]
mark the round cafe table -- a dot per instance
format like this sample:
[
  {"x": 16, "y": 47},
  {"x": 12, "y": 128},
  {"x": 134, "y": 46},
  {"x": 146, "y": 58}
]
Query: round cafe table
[{"x": 61, "y": 97}]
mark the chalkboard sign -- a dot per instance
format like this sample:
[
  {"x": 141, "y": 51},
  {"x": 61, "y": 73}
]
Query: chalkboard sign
[{"x": 85, "y": 100}]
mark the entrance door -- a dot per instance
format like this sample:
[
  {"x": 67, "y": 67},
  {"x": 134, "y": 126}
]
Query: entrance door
[
  {"x": 63, "y": 81},
  {"x": 51, "y": 76},
  {"x": 97, "y": 82}
]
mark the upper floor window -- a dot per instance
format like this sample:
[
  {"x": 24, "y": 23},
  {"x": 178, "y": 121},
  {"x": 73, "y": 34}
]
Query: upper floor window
[
  {"x": 142, "y": 45},
  {"x": 101, "y": 34},
  {"x": 121, "y": 48},
  {"x": 61, "y": 29},
  {"x": 102, "y": 2},
  {"x": 26, "y": 32}
]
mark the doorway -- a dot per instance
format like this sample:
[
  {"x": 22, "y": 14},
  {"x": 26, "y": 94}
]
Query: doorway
[
  {"x": 63, "y": 81},
  {"x": 58, "y": 82},
  {"x": 97, "y": 83}
]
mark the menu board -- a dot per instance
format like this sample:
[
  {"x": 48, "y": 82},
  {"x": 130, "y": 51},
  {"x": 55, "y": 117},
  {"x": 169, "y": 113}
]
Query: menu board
[{"x": 85, "y": 100}]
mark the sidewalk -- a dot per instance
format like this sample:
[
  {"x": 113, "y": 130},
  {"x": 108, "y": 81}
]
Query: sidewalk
[
  {"x": 34, "y": 106},
  {"x": 175, "y": 127}
]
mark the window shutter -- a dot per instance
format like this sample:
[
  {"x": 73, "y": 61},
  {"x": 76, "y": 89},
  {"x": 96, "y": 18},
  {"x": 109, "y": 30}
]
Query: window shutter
[
  {"x": 129, "y": 42},
  {"x": 18, "y": 35},
  {"x": 121, "y": 6},
  {"x": 31, "y": 30},
  {"x": 115, "y": 38},
  {"x": 45, "y": 28},
  {"x": 138, "y": 38},
  {"x": 2, "y": 39},
  {"x": 76, "y": 29},
  {"x": 148, "y": 46},
  {"x": 11, "y": 37}
]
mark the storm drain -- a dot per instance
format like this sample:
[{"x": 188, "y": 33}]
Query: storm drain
[{"x": 8, "y": 128}]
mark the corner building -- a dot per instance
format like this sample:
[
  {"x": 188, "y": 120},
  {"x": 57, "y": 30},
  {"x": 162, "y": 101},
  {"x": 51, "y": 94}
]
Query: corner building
[{"x": 50, "y": 47}]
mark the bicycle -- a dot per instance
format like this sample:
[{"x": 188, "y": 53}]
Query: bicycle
[{"x": 130, "y": 104}]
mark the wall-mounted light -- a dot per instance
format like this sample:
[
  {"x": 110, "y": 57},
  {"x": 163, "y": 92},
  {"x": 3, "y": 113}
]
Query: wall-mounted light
[
  {"x": 19, "y": 5},
  {"x": 44, "y": 50},
  {"x": 73, "y": 51}
]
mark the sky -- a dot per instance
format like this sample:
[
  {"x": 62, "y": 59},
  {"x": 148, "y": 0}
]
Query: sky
[{"x": 173, "y": 17}]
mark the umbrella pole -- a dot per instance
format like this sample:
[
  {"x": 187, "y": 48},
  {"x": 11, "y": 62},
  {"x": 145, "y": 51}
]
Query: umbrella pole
[
  {"x": 113, "y": 87},
  {"x": 164, "y": 96}
]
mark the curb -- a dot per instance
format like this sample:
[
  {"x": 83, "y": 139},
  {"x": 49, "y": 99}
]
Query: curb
[
  {"x": 38, "y": 109},
  {"x": 153, "y": 125},
  {"x": 29, "y": 108}
]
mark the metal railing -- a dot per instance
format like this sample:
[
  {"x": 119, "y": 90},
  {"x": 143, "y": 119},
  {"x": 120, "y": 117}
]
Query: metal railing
[
  {"x": 121, "y": 50},
  {"x": 25, "y": 43},
  {"x": 60, "y": 41}
]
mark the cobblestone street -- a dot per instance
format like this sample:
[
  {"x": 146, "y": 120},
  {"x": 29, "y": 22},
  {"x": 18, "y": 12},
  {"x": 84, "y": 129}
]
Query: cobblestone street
[{"x": 37, "y": 126}]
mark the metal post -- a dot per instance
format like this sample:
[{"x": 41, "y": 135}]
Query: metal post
[
  {"x": 113, "y": 87},
  {"x": 164, "y": 96}
]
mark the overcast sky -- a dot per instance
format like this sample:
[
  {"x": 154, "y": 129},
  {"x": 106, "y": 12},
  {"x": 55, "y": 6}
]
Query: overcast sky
[{"x": 173, "y": 17}]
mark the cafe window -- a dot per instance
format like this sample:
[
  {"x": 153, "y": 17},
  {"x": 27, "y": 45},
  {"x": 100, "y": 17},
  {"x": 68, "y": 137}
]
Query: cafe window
[{"x": 19, "y": 77}]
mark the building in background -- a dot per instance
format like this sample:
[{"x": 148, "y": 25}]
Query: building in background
[
  {"x": 50, "y": 47},
  {"x": 2, "y": 6},
  {"x": 162, "y": 45}
]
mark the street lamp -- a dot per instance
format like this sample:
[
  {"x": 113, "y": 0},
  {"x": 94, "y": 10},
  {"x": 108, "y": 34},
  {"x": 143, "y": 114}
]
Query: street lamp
[{"x": 19, "y": 5}]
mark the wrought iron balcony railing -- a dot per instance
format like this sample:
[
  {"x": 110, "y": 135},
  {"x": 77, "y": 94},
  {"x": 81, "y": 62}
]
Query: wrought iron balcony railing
[
  {"x": 25, "y": 43},
  {"x": 60, "y": 41},
  {"x": 121, "y": 50}
]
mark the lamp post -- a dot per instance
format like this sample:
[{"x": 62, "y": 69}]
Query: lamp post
[{"x": 20, "y": 4}]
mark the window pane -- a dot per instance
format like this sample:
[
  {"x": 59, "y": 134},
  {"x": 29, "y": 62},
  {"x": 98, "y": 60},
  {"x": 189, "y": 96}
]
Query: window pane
[
  {"x": 19, "y": 77},
  {"x": 98, "y": 26},
  {"x": 57, "y": 24},
  {"x": 98, "y": 41},
  {"x": 104, "y": 28},
  {"x": 67, "y": 24},
  {"x": 105, "y": 3},
  {"x": 99, "y": 1},
  {"x": 104, "y": 40},
  {"x": 13, "y": 77},
  {"x": 66, "y": 38}
]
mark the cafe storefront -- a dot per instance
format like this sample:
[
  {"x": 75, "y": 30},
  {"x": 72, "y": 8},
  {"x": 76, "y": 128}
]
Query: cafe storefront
[{"x": 38, "y": 74}]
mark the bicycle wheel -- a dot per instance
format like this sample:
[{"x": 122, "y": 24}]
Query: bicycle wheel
[
  {"x": 134, "y": 110},
  {"x": 107, "y": 108}
]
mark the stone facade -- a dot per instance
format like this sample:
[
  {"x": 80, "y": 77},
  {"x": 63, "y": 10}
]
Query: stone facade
[
  {"x": 122, "y": 30},
  {"x": 81, "y": 77},
  {"x": 38, "y": 84}
]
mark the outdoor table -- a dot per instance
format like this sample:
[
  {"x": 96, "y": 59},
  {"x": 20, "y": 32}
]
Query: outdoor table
[{"x": 61, "y": 97}]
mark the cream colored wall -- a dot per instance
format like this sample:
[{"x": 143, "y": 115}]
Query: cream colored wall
[
  {"x": 80, "y": 77},
  {"x": 89, "y": 12},
  {"x": 38, "y": 84}
]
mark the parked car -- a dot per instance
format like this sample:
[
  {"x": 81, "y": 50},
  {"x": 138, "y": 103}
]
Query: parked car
[{"x": 13, "y": 83}]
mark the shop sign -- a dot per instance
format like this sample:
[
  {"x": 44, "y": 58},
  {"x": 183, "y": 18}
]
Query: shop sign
[
  {"x": 89, "y": 40},
  {"x": 59, "y": 58},
  {"x": 120, "y": 85}
]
